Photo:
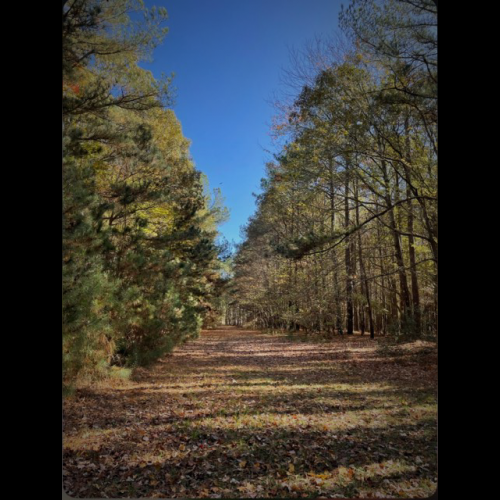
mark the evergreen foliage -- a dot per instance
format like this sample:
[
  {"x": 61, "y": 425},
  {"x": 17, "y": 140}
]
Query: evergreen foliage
[{"x": 140, "y": 258}]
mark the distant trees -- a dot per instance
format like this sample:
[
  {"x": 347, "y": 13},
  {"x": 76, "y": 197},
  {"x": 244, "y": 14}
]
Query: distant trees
[
  {"x": 140, "y": 262},
  {"x": 345, "y": 234}
]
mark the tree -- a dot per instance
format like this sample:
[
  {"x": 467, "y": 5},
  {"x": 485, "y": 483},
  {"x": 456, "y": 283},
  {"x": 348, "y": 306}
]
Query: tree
[
  {"x": 356, "y": 174},
  {"x": 139, "y": 227}
]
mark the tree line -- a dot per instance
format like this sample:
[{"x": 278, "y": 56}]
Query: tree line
[
  {"x": 344, "y": 237},
  {"x": 140, "y": 247}
]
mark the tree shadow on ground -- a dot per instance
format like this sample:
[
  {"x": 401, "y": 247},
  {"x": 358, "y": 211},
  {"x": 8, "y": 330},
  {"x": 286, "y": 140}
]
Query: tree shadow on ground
[
  {"x": 205, "y": 416},
  {"x": 408, "y": 449}
]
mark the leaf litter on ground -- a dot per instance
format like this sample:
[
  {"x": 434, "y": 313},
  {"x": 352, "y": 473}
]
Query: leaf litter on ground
[{"x": 241, "y": 414}]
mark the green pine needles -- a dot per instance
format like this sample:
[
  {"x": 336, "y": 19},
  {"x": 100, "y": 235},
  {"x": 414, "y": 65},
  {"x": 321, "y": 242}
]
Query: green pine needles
[{"x": 139, "y": 225}]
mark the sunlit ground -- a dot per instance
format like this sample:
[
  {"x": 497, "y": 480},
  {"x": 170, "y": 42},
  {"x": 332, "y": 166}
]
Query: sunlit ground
[{"x": 243, "y": 414}]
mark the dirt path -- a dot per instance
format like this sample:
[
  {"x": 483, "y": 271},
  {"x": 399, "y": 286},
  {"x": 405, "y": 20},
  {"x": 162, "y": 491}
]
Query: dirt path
[{"x": 242, "y": 414}]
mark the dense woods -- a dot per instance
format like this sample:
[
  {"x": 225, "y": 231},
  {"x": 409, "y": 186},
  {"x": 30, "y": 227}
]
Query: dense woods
[
  {"x": 345, "y": 234},
  {"x": 140, "y": 259},
  {"x": 305, "y": 361},
  {"x": 344, "y": 237}
]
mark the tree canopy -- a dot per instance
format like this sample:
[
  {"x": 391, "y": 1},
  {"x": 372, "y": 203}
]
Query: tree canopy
[
  {"x": 140, "y": 258},
  {"x": 345, "y": 233}
]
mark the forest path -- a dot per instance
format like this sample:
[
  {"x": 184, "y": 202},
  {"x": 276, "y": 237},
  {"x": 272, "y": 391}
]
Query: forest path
[{"x": 238, "y": 413}]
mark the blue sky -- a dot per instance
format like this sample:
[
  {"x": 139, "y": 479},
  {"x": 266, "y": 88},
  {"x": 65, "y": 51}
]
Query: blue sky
[{"x": 228, "y": 56}]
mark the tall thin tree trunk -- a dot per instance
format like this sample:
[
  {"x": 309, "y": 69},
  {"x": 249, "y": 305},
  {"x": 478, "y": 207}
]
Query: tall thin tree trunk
[
  {"x": 365, "y": 286},
  {"x": 411, "y": 239},
  {"x": 398, "y": 251},
  {"x": 336, "y": 287},
  {"x": 348, "y": 260}
]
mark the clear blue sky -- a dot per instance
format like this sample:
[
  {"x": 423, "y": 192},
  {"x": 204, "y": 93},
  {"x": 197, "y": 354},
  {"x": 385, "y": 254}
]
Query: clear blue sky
[{"x": 228, "y": 56}]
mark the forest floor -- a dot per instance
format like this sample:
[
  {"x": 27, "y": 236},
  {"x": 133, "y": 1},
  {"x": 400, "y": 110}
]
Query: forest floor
[{"x": 243, "y": 414}]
